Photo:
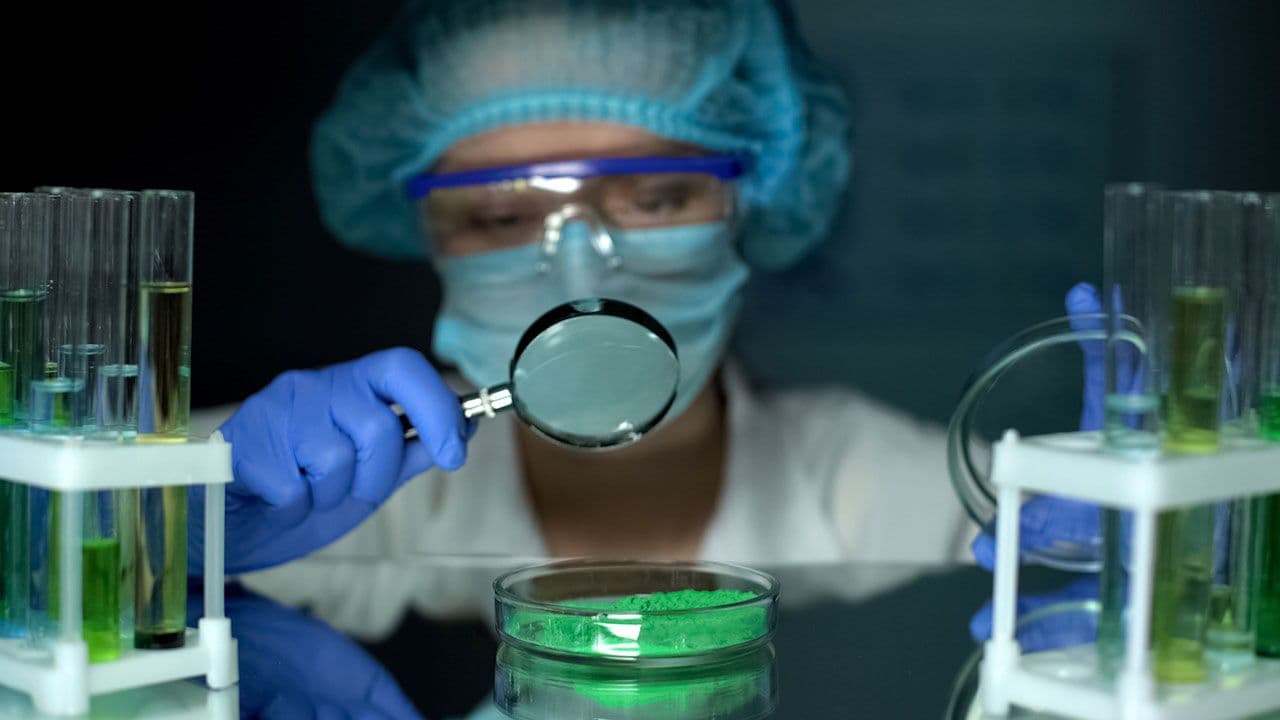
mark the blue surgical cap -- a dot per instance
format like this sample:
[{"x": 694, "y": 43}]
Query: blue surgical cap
[{"x": 730, "y": 76}]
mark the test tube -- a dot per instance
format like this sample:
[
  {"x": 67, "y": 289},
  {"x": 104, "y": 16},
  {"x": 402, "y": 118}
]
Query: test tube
[
  {"x": 1135, "y": 278},
  {"x": 1266, "y": 510},
  {"x": 1136, "y": 267},
  {"x": 57, "y": 398},
  {"x": 101, "y": 574},
  {"x": 56, "y": 408},
  {"x": 114, "y": 324},
  {"x": 111, "y": 412},
  {"x": 164, "y": 277},
  {"x": 24, "y": 275},
  {"x": 1202, "y": 228},
  {"x": 1230, "y": 639}
]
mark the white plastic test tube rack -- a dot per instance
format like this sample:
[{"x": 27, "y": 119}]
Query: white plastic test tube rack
[
  {"x": 60, "y": 679},
  {"x": 1065, "y": 683}
]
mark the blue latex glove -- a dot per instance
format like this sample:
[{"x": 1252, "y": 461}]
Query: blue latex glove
[
  {"x": 293, "y": 666},
  {"x": 1048, "y": 630},
  {"x": 317, "y": 451},
  {"x": 1046, "y": 520}
]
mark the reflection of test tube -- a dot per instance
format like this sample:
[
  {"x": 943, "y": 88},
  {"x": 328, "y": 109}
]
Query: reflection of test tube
[
  {"x": 164, "y": 277},
  {"x": 1204, "y": 252},
  {"x": 24, "y": 276},
  {"x": 1266, "y": 515},
  {"x": 1135, "y": 278}
]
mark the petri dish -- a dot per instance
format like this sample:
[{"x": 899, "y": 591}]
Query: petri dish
[
  {"x": 636, "y": 610},
  {"x": 636, "y": 640}
]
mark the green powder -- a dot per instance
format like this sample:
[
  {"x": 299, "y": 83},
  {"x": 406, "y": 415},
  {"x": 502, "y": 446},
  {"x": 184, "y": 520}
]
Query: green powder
[
  {"x": 728, "y": 685},
  {"x": 624, "y": 628}
]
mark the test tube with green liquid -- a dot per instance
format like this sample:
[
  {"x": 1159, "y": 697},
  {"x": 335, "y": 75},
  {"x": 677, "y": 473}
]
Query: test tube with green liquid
[
  {"x": 108, "y": 412},
  {"x": 164, "y": 276},
  {"x": 101, "y": 576},
  {"x": 1233, "y": 615},
  {"x": 1266, "y": 510},
  {"x": 24, "y": 274}
]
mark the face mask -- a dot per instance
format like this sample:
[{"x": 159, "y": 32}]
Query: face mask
[{"x": 688, "y": 277}]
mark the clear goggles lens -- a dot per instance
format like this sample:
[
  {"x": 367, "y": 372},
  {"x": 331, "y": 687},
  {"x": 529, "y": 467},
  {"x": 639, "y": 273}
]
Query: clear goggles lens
[{"x": 522, "y": 208}]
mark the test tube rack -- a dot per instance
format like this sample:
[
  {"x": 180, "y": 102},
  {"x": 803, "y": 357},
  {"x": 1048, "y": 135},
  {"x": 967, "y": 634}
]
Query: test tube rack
[
  {"x": 1065, "y": 682},
  {"x": 59, "y": 679}
]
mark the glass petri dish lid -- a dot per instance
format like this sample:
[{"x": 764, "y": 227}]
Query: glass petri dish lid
[{"x": 626, "y": 611}]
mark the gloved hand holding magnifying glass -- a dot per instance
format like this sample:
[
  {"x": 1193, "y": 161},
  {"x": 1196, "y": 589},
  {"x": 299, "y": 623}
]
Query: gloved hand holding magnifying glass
[{"x": 316, "y": 452}]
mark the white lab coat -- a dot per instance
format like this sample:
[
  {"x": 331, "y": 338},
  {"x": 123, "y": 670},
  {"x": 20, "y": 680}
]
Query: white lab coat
[{"x": 814, "y": 475}]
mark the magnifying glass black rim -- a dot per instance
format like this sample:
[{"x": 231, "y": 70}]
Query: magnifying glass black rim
[{"x": 585, "y": 308}]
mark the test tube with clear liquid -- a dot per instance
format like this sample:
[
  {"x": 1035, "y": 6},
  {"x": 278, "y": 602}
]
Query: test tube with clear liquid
[
  {"x": 25, "y": 253},
  {"x": 164, "y": 276},
  {"x": 1266, "y": 510},
  {"x": 56, "y": 408},
  {"x": 1135, "y": 279}
]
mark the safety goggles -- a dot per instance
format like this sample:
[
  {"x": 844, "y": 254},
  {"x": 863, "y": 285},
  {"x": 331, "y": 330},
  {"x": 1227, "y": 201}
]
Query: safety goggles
[{"x": 480, "y": 211}]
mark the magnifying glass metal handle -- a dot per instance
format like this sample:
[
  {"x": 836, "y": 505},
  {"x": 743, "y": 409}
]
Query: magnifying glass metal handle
[{"x": 488, "y": 402}]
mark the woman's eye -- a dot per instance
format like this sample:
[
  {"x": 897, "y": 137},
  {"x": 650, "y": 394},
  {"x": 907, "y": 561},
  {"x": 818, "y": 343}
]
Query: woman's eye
[
  {"x": 499, "y": 220},
  {"x": 663, "y": 203}
]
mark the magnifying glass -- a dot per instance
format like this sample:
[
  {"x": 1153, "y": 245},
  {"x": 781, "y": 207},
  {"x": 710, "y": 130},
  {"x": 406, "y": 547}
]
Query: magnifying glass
[{"x": 593, "y": 373}]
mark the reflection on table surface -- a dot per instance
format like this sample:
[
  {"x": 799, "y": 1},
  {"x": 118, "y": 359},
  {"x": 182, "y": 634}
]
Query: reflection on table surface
[
  {"x": 884, "y": 641},
  {"x": 865, "y": 641},
  {"x": 170, "y": 701}
]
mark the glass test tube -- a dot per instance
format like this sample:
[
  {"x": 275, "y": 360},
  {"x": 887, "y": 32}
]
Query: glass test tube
[
  {"x": 24, "y": 276},
  {"x": 1266, "y": 511},
  {"x": 114, "y": 324},
  {"x": 101, "y": 576},
  {"x": 1204, "y": 250},
  {"x": 56, "y": 408},
  {"x": 1135, "y": 279},
  {"x": 1135, "y": 282},
  {"x": 57, "y": 404},
  {"x": 109, "y": 412},
  {"x": 1230, "y": 639},
  {"x": 164, "y": 277}
]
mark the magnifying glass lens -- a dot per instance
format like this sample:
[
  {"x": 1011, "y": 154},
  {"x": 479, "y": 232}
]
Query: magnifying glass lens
[
  {"x": 595, "y": 380},
  {"x": 592, "y": 373}
]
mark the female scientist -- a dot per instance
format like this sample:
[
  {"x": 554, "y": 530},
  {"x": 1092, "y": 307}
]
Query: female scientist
[{"x": 703, "y": 139}]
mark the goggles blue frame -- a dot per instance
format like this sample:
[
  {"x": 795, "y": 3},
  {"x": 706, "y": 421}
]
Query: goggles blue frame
[{"x": 723, "y": 167}]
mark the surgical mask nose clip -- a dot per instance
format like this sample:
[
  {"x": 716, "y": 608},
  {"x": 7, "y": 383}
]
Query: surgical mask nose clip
[{"x": 553, "y": 230}]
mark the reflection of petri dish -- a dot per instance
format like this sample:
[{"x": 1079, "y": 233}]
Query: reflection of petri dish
[
  {"x": 1061, "y": 657},
  {"x": 635, "y": 640},
  {"x": 533, "y": 686}
]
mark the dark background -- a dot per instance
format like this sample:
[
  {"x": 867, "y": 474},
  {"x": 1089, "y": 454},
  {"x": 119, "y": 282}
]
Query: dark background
[{"x": 984, "y": 133}]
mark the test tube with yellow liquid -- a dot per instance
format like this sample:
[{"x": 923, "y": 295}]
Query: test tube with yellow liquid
[
  {"x": 1202, "y": 229},
  {"x": 164, "y": 321}
]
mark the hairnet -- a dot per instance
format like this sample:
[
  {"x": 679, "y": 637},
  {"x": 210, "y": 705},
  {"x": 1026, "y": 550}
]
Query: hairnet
[{"x": 726, "y": 75}]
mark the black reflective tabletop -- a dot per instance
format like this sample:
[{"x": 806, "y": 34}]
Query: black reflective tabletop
[{"x": 876, "y": 641}]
